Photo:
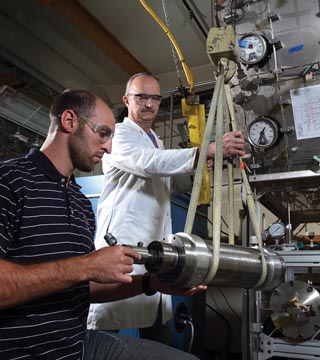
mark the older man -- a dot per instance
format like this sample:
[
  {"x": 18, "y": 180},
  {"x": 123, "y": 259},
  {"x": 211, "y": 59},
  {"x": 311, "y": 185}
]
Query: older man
[{"x": 135, "y": 201}]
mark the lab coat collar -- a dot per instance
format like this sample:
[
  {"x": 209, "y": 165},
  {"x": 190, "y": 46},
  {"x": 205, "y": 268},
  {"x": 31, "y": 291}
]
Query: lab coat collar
[{"x": 133, "y": 125}]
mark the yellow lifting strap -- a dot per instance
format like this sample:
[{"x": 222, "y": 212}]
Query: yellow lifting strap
[{"x": 197, "y": 125}]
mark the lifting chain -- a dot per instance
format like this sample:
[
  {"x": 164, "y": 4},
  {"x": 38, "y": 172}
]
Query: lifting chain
[{"x": 174, "y": 53}]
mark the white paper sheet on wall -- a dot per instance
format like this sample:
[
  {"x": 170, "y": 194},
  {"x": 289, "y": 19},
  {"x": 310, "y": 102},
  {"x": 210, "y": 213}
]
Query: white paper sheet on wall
[{"x": 306, "y": 111}]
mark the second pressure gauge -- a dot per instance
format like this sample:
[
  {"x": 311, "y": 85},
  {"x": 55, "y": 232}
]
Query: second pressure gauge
[
  {"x": 277, "y": 230},
  {"x": 254, "y": 49},
  {"x": 263, "y": 132}
]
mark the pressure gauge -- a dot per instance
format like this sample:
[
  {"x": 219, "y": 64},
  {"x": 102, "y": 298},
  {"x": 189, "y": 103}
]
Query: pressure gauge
[
  {"x": 254, "y": 49},
  {"x": 263, "y": 132},
  {"x": 277, "y": 230}
]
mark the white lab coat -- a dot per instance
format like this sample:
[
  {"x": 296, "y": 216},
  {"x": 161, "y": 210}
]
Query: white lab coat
[{"x": 135, "y": 206}]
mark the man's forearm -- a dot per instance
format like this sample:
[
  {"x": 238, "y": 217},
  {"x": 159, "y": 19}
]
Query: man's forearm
[
  {"x": 106, "y": 293},
  {"x": 112, "y": 292},
  {"x": 22, "y": 283}
]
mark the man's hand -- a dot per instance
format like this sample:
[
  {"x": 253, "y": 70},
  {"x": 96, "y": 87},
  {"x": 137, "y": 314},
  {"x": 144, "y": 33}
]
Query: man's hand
[
  {"x": 233, "y": 145},
  {"x": 111, "y": 264},
  {"x": 210, "y": 165}
]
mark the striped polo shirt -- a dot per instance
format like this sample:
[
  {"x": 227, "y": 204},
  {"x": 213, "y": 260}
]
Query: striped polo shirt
[{"x": 42, "y": 219}]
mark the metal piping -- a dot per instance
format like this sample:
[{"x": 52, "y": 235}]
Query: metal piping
[{"x": 194, "y": 17}]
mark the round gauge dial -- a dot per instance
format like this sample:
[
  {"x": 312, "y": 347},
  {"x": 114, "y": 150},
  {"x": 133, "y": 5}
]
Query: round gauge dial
[
  {"x": 263, "y": 132},
  {"x": 253, "y": 49},
  {"x": 277, "y": 230}
]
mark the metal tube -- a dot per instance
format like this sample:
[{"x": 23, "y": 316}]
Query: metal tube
[
  {"x": 146, "y": 256},
  {"x": 187, "y": 260}
]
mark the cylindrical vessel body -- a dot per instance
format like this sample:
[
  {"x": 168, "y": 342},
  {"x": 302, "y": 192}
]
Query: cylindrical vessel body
[{"x": 187, "y": 261}]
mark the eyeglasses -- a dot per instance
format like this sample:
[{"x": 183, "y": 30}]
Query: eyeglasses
[
  {"x": 103, "y": 132},
  {"x": 142, "y": 99}
]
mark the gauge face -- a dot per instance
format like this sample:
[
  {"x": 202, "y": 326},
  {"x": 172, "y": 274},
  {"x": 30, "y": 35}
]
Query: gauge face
[
  {"x": 277, "y": 230},
  {"x": 253, "y": 49},
  {"x": 263, "y": 132}
]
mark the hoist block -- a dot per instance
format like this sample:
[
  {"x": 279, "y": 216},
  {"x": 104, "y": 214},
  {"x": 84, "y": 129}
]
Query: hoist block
[{"x": 222, "y": 43}]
